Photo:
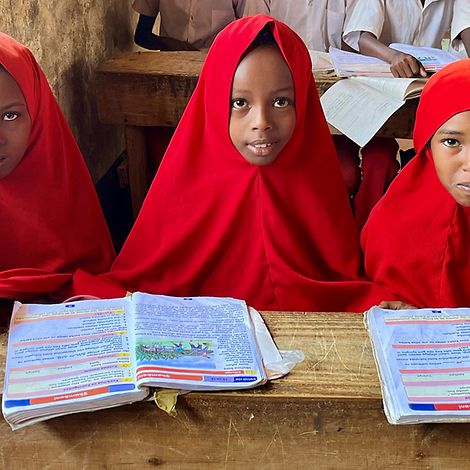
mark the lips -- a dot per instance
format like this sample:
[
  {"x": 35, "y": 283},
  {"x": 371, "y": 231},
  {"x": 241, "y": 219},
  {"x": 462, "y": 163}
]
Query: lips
[
  {"x": 261, "y": 148},
  {"x": 464, "y": 187}
]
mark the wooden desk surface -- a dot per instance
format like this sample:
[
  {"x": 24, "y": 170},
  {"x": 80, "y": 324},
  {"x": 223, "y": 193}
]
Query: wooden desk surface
[{"x": 326, "y": 413}]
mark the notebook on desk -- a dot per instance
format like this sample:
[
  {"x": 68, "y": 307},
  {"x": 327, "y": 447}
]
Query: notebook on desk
[{"x": 349, "y": 64}]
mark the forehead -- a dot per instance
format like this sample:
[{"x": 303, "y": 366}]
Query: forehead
[
  {"x": 264, "y": 65},
  {"x": 9, "y": 89},
  {"x": 461, "y": 119}
]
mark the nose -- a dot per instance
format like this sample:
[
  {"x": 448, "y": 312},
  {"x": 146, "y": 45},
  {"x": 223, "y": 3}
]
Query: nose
[
  {"x": 261, "y": 118},
  {"x": 466, "y": 160}
]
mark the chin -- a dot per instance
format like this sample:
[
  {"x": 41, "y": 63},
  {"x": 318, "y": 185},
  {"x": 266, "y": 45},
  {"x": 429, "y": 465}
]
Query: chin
[{"x": 260, "y": 161}]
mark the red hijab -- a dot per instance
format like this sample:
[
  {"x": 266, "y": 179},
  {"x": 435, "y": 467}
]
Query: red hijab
[
  {"x": 214, "y": 224},
  {"x": 51, "y": 221},
  {"x": 416, "y": 241}
]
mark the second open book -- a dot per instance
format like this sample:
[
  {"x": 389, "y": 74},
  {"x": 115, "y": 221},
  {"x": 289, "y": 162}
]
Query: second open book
[
  {"x": 87, "y": 355},
  {"x": 348, "y": 64},
  {"x": 423, "y": 360}
]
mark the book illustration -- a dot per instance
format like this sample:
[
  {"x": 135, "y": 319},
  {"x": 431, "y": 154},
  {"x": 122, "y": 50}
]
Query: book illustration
[{"x": 180, "y": 352}]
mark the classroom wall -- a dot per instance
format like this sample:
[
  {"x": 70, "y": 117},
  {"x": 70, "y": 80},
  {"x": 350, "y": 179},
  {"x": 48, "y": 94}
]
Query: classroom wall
[{"x": 69, "y": 39}]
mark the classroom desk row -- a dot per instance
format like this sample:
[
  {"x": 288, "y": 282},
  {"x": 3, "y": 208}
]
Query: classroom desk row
[
  {"x": 141, "y": 89},
  {"x": 327, "y": 413}
]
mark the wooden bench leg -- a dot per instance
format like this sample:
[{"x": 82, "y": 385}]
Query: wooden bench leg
[{"x": 138, "y": 166}]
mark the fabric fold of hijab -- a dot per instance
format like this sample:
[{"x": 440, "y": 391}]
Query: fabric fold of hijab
[
  {"x": 52, "y": 223},
  {"x": 416, "y": 241},
  {"x": 280, "y": 236}
]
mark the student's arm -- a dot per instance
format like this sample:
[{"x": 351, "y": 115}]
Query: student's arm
[
  {"x": 401, "y": 64},
  {"x": 465, "y": 36},
  {"x": 460, "y": 27},
  {"x": 144, "y": 37}
]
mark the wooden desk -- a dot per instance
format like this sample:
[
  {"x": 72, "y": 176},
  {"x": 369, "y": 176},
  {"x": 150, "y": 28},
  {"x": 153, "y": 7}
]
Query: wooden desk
[
  {"x": 140, "y": 89},
  {"x": 327, "y": 413}
]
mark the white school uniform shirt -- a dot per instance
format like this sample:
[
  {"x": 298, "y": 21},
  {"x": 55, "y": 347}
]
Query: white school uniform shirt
[
  {"x": 318, "y": 22},
  {"x": 408, "y": 22},
  {"x": 196, "y": 22}
]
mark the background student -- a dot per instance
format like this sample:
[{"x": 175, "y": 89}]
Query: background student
[
  {"x": 374, "y": 24},
  {"x": 243, "y": 204},
  {"x": 185, "y": 24},
  {"x": 318, "y": 22},
  {"x": 416, "y": 240},
  {"x": 51, "y": 221}
]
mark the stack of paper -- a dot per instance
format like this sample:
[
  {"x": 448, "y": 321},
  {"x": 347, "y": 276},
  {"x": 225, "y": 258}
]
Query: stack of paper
[
  {"x": 359, "y": 106},
  {"x": 423, "y": 359}
]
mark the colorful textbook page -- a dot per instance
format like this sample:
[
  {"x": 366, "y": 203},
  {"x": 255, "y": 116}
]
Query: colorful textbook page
[
  {"x": 67, "y": 352},
  {"x": 423, "y": 357},
  {"x": 94, "y": 354},
  {"x": 204, "y": 343}
]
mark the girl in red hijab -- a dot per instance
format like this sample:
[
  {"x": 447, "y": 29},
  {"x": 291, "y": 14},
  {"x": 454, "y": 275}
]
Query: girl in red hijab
[
  {"x": 417, "y": 239},
  {"x": 249, "y": 201},
  {"x": 51, "y": 221}
]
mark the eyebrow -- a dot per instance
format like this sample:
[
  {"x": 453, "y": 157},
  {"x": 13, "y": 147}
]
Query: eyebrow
[
  {"x": 274, "y": 92},
  {"x": 450, "y": 132},
  {"x": 13, "y": 105}
]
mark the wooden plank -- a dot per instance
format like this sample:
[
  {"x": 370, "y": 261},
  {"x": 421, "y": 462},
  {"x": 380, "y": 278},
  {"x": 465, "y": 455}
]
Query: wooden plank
[
  {"x": 147, "y": 88},
  {"x": 139, "y": 174},
  {"x": 326, "y": 414}
]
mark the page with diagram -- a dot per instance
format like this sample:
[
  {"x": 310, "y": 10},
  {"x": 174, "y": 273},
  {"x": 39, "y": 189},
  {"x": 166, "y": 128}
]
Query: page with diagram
[{"x": 195, "y": 343}]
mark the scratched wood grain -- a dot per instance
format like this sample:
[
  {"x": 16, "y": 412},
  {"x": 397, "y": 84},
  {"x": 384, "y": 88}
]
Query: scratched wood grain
[{"x": 326, "y": 413}]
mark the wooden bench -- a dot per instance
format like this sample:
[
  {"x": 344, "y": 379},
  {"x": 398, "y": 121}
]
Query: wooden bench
[
  {"x": 141, "y": 89},
  {"x": 327, "y": 413}
]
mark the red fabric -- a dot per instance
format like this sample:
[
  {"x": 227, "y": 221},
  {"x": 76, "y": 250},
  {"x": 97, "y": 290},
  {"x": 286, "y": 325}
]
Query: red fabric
[
  {"x": 51, "y": 219},
  {"x": 379, "y": 168},
  {"x": 213, "y": 224},
  {"x": 416, "y": 241}
]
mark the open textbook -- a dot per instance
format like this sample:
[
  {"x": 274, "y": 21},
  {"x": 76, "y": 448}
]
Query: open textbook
[
  {"x": 423, "y": 359},
  {"x": 360, "y": 106},
  {"x": 93, "y": 354},
  {"x": 347, "y": 64}
]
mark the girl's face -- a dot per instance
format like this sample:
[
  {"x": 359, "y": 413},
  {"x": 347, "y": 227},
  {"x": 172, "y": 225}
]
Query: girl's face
[
  {"x": 262, "y": 111},
  {"x": 15, "y": 124},
  {"x": 450, "y": 148}
]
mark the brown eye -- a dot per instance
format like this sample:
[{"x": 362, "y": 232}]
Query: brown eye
[
  {"x": 239, "y": 103},
  {"x": 10, "y": 116},
  {"x": 281, "y": 103},
  {"x": 451, "y": 143}
]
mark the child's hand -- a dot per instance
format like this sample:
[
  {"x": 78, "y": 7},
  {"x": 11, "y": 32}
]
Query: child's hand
[
  {"x": 406, "y": 66},
  {"x": 395, "y": 305}
]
